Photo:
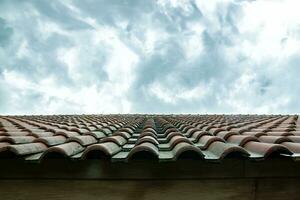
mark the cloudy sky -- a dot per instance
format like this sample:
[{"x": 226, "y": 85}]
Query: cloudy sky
[{"x": 142, "y": 56}]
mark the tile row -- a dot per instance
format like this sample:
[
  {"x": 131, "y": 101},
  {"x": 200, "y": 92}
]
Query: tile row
[{"x": 155, "y": 137}]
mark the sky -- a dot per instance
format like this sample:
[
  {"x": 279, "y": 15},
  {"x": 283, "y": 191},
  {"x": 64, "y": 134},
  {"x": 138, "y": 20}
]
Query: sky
[{"x": 143, "y": 56}]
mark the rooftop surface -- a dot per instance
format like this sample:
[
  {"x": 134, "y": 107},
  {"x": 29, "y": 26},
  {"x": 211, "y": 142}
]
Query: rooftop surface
[{"x": 122, "y": 138}]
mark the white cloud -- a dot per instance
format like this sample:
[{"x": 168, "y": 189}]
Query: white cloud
[
  {"x": 173, "y": 94},
  {"x": 167, "y": 56},
  {"x": 270, "y": 30}
]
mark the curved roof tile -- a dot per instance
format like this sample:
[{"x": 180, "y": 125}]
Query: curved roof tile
[
  {"x": 66, "y": 149},
  {"x": 264, "y": 150},
  {"x": 145, "y": 147},
  {"x": 241, "y": 140},
  {"x": 25, "y": 149},
  {"x": 51, "y": 141},
  {"x": 220, "y": 150},
  {"x": 169, "y": 136},
  {"x": 183, "y": 147},
  {"x": 84, "y": 140},
  {"x": 109, "y": 148}
]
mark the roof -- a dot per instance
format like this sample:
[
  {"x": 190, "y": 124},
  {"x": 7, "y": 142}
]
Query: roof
[{"x": 153, "y": 137}]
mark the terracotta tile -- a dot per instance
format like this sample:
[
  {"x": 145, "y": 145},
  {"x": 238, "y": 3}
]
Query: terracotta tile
[
  {"x": 52, "y": 140},
  {"x": 147, "y": 138},
  {"x": 265, "y": 149},
  {"x": 241, "y": 140},
  {"x": 66, "y": 149},
  {"x": 206, "y": 140},
  {"x": 178, "y": 139},
  {"x": 294, "y": 138},
  {"x": 41, "y": 134},
  {"x": 226, "y": 134},
  {"x": 216, "y": 131},
  {"x": 221, "y": 150},
  {"x": 192, "y": 131},
  {"x": 279, "y": 133},
  {"x": 17, "y": 139},
  {"x": 84, "y": 140},
  {"x": 3, "y": 144},
  {"x": 15, "y": 133},
  {"x": 167, "y": 137},
  {"x": 254, "y": 133},
  {"x": 146, "y": 149},
  {"x": 96, "y": 134},
  {"x": 273, "y": 139},
  {"x": 119, "y": 140},
  {"x": 25, "y": 149},
  {"x": 147, "y": 133},
  {"x": 186, "y": 148},
  {"x": 198, "y": 134},
  {"x": 293, "y": 147},
  {"x": 109, "y": 148},
  {"x": 127, "y": 130}
]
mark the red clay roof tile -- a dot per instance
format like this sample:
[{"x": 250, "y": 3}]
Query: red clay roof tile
[
  {"x": 265, "y": 149},
  {"x": 108, "y": 148},
  {"x": 167, "y": 137},
  {"x": 221, "y": 150},
  {"x": 145, "y": 147},
  {"x": 25, "y": 149},
  {"x": 66, "y": 149},
  {"x": 52, "y": 140}
]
